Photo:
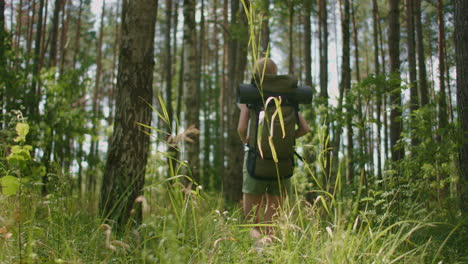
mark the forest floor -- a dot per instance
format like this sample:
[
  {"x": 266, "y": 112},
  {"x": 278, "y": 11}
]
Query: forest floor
[{"x": 194, "y": 227}]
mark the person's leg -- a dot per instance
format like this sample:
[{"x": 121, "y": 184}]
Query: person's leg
[
  {"x": 251, "y": 206},
  {"x": 274, "y": 202}
]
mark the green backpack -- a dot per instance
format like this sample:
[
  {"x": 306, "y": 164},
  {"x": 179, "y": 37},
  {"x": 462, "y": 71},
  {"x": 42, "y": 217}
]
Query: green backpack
[{"x": 272, "y": 130}]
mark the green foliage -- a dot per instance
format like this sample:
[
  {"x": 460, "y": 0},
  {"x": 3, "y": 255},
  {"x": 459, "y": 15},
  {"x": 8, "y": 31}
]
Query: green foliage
[{"x": 20, "y": 169}]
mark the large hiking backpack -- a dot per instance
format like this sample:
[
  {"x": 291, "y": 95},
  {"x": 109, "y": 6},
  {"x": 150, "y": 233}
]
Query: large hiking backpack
[{"x": 272, "y": 130}]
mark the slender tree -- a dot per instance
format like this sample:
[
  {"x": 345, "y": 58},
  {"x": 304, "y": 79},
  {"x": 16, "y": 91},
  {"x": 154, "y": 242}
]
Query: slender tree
[
  {"x": 192, "y": 89},
  {"x": 124, "y": 173},
  {"x": 34, "y": 96},
  {"x": 323, "y": 54},
  {"x": 77, "y": 34},
  {"x": 461, "y": 51},
  {"x": 307, "y": 42},
  {"x": 2, "y": 58},
  {"x": 414, "y": 105},
  {"x": 346, "y": 87},
  {"x": 291, "y": 39},
  {"x": 443, "y": 112},
  {"x": 395, "y": 94},
  {"x": 237, "y": 58},
  {"x": 422, "y": 74},
  {"x": 265, "y": 25},
  {"x": 375, "y": 33},
  {"x": 172, "y": 151},
  {"x": 54, "y": 33}
]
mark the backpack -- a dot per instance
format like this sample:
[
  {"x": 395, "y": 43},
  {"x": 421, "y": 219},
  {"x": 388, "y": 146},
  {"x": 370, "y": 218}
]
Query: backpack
[{"x": 272, "y": 130}]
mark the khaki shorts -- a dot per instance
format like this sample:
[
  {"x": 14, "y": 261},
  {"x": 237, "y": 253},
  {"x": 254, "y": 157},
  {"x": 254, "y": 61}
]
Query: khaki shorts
[{"x": 254, "y": 186}]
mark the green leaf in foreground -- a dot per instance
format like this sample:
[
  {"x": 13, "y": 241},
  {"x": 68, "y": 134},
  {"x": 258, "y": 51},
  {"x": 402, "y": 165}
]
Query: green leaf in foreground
[
  {"x": 22, "y": 129},
  {"x": 10, "y": 185}
]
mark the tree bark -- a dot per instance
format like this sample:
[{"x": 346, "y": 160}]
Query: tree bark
[
  {"x": 265, "y": 25},
  {"x": 422, "y": 74},
  {"x": 54, "y": 33},
  {"x": 461, "y": 51},
  {"x": 308, "y": 42},
  {"x": 414, "y": 104},
  {"x": 375, "y": 33},
  {"x": 171, "y": 149},
  {"x": 443, "y": 113},
  {"x": 78, "y": 34},
  {"x": 290, "y": 37},
  {"x": 2, "y": 58},
  {"x": 124, "y": 174},
  {"x": 237, "y": 61},
  {"x": 346, "y": 87},
  {"x": 395, "y": 94},
  {"x": 192, "y": 93},
  {"x": 323, "y": 76},
  {"x": 34, "y": 96}
]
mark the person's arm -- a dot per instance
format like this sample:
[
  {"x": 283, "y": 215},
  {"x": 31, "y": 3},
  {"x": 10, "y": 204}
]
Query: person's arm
[
  {"x": 243, "y": 122},
  {"x": 303, "y": 128}
]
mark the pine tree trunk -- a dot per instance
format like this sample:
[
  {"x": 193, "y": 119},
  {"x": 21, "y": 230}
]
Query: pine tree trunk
[
  {"x": 237, "y": 59},
  {"x": 375, "y": 33},
  {"x": 422, "y": 74},
  {"x": 54, "y": 33},
  {"x": 78, "y": 34},
  {"x": 171, "y": 148},
  {"x": 2, "y": 59},
  {"x": 124, "y": 173},
  {"x": 461, "y": 51},
  {"x": 395, "y": 95},
  {"x": 64, "y": 38},
  {"x": 307, "y": 42},
  {"x": 323, "y": 53},
  {"x": 346, "y": 87},
  {"x": 290, "y": 37},
  {"x": 216, "y": 183},
  {"x": 414, "y": 105},
  {"x": 34, "y": 96},
  {"x": 443, "y": 113},
  {"x": 265, "y": 25},
  {"x": 191, "y": 93},
  {"x": 19, "y": 26}
]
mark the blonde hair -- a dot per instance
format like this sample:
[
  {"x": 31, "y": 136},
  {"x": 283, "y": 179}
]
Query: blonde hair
[{"x": 269, "y": 66}]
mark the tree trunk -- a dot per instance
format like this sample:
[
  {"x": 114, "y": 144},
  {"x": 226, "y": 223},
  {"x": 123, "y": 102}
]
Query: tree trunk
[
  {"x": 265, "y": 25},
  {"x": 395, "y": 94},
  {"x": 290, "y": 37},
  {"x": 124, "y": 174},
  {"x": 323, "y": 53},
  {"x": 443, "y": 113},
  {"x": 34, "y": 97},
  {"x": 375, "y": 33},
  {"x": 78, "y": 34},
  {"x": 237, "y": 59},
  {"x": 171, "y": 149},
  {"x": 2, "y": 58},
  {"x": 461, "y": 51},
  {"x": 192, "y": 93},
  {"x": 54, "y": 33},
  {"x": 414, "y": 105},
  {"x": 64, "y": 39},
  {"x": 422, "y": 74},
  {"x": 307, "y": 42},
  {"x": 346, "y": 87}
]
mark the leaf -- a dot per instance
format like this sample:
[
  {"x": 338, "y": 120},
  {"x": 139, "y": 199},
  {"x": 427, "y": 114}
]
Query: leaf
[
  {"x": 22, "y": 129},
  {"x": 10, "y": 185}
]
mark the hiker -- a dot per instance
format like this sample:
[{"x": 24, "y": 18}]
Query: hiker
[{"x": 271, "y": 190}]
